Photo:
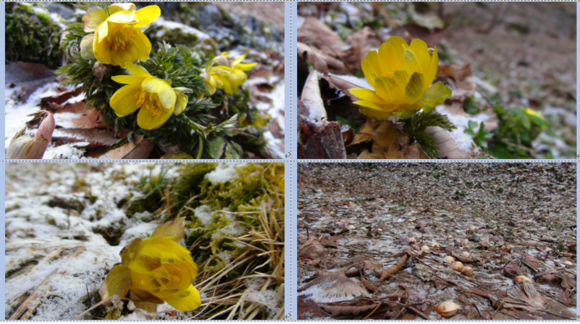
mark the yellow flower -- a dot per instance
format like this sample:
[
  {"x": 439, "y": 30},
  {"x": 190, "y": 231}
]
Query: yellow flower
[
  {"x": 156, "y": 270},
  {"x": 118, "y": 34},
  {"x": 536, "y": 117},
  {"x": 401, "y": 76},
  {"x": 155, "y": 98},
  {"x": 226, "y": 76}
]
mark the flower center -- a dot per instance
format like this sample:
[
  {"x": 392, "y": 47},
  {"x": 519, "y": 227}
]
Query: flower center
[
  {"x": 118, "y": 37},
  {"x": 150, "y": 102}
]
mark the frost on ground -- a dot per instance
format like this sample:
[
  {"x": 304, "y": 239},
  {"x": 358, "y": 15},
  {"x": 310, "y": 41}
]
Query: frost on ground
[
  {"x": 356, "y": 223},
  {"x": 66, "y": 225}
]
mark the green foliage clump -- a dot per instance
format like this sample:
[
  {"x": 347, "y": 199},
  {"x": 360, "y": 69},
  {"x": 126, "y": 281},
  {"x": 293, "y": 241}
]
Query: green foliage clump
[
  {"x": 416, "y": 125},
  {"x": 516, "y": 131},
  {"x": 220, "y": 126},
  {"x": 31, "y": 36},
  {"x": 480, "y": 136}
]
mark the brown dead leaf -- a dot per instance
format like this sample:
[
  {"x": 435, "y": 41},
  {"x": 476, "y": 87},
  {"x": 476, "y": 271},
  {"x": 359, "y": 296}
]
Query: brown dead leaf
[
  {"x": 362, "y": 42},
  {"x": 140, "y": 148},
  {"x": 341, "y": 84},
  {"x": 388, "y": 142},
  {"x": 96, "y": 137},
  {"x": 448, "y": 148},
  {"x": 53, "y": 102},
  {"x": 347, "y": 309},
  {"x": 28, "y": 76},
  {"x": 318, "y": 35},
  {"x": 325, "y": 144},
  {"x": 90, "y": 119},
  {"x": 314, "y": 57},
  {"x": 459, "y": 79},
  {"x": 312, "y": 249},
  {"x": 412, "y": 31},
  {"x": 333, "y": 285},
  {"x": 308, "y": 310},
  {"x": 312, "y": 100}
]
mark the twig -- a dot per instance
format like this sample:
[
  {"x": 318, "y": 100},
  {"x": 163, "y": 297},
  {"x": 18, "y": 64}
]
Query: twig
[
  {"x": 371, "y": 313},
  {"x": 385, "y": 274},
  {"x": 104, "y": 301},
  {"x": 22, "y": 308},
  {"x": 416, "y": 311}
]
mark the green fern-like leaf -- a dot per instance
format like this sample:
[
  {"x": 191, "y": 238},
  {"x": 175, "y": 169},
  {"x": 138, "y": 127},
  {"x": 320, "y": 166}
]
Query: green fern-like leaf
[{"x": 416, "y": 125}]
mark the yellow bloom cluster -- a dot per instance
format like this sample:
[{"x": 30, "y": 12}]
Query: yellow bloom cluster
[
  {"x": 401, "y": 76},
  {"x": 156, "y": 270},
  {"x": 117, "y": 39},
  {"x": 220, "y": 74}
]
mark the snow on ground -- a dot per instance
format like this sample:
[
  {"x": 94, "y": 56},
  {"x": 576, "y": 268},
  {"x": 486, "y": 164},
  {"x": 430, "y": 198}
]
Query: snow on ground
[{"x": 54, "y": 213}]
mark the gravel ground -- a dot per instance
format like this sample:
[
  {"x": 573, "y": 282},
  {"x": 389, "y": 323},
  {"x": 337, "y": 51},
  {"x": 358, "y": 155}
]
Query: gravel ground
[{"x": 360, "y": 219}]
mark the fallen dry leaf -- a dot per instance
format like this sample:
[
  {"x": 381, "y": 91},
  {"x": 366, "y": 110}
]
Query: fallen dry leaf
[
  {"x": 448, "y": 148},
  {"x": 459, "y": 79},
  {"x": 362, "y": 42},
  {"x": 28, "y": 76},
  {"x": 412, "y": 31},
  {"x": 325, "y": 144},
  {"x": 140, "y": 149},
  {"x": 312, "y": 100},
  {"x": 335, "y": 310},
  {"x": 388, "y": 142}
]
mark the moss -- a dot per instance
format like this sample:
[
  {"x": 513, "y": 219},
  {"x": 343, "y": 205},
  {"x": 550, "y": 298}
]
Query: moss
[{"x": 32, "y": 37}]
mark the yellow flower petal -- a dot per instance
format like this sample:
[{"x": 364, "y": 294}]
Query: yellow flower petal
[
  {"x": 368, "y": 104},
  {"x": 187, "y": 300},
  {"x": 434, "y": 95},
  {"x": 375, "y": 114},
  {"x": 370, "y": 66},
  {"x": 137, "y": 70},
  {"x": 102, "y": 32},
  {"x": 238, "y": 60},
  {"x": 87, "y": 47},
  {"x": 389, "y": 89},
  {"x": 181, "y": 103},
  {"x": 391, "y": 54},
  {"x": 414, "y": 89},
  {"x": 93, "y": 18},
  {"x": 123, "y": 100},
  {"x": 166, "y": 93},
  {"x": 128, "y": 79},
  {"x": 410, "y": 62},
  {"x": 432, "y": 69},
  {"x": 366, "y": 95},
  {"x": 245, "y": 67},
  {"x": 147, "y": 15},
  {"x": 142, "y": 45},
  {"x": 123, "y": 17},
  {"x": 147, "y": 121},
  {"x": 115, "y": 7},
  {"x": 421, "y": 52},
  {"x": 118, "y": 282}
]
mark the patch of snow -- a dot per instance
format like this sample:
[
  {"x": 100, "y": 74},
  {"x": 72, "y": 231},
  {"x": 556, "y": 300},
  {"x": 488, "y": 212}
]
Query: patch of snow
[
  {"x": 205, "y": 214},
  {"x": 223, "y": 173},
  {"x": 171, "y": 25}
]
